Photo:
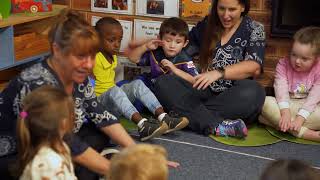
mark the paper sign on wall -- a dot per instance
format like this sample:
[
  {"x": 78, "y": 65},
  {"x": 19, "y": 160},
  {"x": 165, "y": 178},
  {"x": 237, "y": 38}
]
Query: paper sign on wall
[{"x": 160, "y": 8}]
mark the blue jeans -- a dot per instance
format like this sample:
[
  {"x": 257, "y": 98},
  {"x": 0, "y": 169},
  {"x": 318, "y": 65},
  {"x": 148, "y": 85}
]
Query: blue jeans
[{"x": 118, "y": 100}]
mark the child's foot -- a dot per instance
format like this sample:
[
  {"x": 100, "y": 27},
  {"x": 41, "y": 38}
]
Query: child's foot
[
  {"x": 152, "y": 128},
  {"x": 175, "y": 123},
  {"x": 235, "y": 128}
]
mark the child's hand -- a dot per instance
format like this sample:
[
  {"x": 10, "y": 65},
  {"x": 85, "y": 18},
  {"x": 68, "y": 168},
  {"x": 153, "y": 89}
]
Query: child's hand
[
  {"x": 153, "y": 44},
  {"x": 173, "y": 164},
  {"x": 168, "y": 64},
  {"x": 285, "y": 120},
  {"x": 297, "y": 123}
]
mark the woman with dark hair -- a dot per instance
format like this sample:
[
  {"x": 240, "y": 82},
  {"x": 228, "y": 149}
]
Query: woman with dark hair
[{"x": 224, "y": 97}]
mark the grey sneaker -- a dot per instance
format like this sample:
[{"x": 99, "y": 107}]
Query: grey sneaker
[
  {"x": 175, "y": 123},
  {"x": 152, "y": 128}
]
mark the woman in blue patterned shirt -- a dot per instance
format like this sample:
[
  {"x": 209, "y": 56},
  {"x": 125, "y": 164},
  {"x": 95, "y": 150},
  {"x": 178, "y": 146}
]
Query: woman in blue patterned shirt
[
  {"x": 224, "y": 97},
  {"x": 74, "y": 44}
]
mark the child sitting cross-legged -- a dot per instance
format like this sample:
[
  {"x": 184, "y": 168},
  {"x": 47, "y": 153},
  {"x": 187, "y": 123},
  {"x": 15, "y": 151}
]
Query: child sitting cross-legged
[
  {"x": 295, "y": 107},
  {"x": 118, "y": 100},
  {"x": 47, "y": 115}
]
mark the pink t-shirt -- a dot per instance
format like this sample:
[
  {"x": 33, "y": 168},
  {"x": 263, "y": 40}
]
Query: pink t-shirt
[{"x": 291, "y": 84}]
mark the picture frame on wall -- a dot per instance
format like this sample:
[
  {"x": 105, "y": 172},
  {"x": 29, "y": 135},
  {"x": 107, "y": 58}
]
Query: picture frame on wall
[
  {"x": 126, "y": 27},
  {"x": 157, "y": 8},
  {"x": 195, "y": 8},
  {"x": 112, "y": 6}
]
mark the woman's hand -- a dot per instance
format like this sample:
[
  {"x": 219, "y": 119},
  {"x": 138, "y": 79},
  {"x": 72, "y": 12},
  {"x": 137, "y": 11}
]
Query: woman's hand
[
  {"x": 173, "y": 164},
  {"x": 285, "y": 120},
  {"x": 297, "y": 123},
  {"x": 203, "y": 80}
]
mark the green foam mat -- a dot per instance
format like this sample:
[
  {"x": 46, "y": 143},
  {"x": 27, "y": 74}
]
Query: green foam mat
[
  {"x": 128, "y": 125},
  {"x": 257, "y": 136},
  {"x": 289, "y": 137}
]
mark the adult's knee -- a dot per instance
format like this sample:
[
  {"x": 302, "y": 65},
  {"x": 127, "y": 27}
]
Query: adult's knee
[{"x": 252, "y": 92}]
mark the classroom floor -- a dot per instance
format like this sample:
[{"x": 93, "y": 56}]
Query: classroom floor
[{"x": 202, "y": 158}]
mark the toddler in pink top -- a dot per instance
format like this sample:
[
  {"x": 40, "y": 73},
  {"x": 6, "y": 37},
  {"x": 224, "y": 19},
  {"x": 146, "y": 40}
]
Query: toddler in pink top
[{"x": 295, "y": 109}]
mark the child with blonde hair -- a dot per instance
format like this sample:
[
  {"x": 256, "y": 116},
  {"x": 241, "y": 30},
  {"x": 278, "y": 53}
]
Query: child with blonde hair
[
  {"x": 295, "y": 108},
  {"x": 47, "y": 115},
  {"x": 142, "y": 161}
]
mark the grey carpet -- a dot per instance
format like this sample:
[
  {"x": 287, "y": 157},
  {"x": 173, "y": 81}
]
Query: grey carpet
[{"x": 202, "y": 158}]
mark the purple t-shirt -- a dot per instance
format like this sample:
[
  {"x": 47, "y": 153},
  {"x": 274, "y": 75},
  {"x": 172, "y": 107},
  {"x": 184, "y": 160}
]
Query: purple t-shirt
[{"x": 153, "y": 58}]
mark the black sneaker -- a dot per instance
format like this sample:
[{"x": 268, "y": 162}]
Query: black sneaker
[
  {"x": 152, "y": 128},
  {"x": 175, "y": 123}
]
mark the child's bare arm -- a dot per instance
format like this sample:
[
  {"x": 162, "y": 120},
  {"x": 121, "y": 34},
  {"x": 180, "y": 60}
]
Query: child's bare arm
[
  {"x": 137, "y": 48},
  {"x": 186, "y": 76}
]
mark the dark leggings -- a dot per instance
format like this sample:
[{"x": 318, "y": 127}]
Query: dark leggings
[{"x": 205, "y": 109}]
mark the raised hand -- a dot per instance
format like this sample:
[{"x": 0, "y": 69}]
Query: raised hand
[{"x": 153, "y": 44}]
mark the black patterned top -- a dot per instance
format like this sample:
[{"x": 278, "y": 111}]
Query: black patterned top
[
  {"x": 247, "y": 43},
  {"x": 86, "y": 105}
]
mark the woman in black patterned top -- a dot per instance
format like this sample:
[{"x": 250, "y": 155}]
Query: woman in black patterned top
[
  {"x": 231, "y": 49},
  {"x": 74, "y": 44}
]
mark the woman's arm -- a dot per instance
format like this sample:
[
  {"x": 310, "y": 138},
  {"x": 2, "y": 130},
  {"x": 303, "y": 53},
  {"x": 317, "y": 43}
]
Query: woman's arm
[
  {"x": 237, "y": 71},
  {"x": 93, "y": 161},
  {"x": 242, "y": 70}
]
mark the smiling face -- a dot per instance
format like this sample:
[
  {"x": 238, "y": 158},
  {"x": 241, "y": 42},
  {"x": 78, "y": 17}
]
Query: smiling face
[
  {"x": 172, "y": 45},
  {"x": 229, "y": 12},
  {"x": 302, "y": 57},
  {"x": 76, "y": 67},
  {"x": 112, "y": 39}
]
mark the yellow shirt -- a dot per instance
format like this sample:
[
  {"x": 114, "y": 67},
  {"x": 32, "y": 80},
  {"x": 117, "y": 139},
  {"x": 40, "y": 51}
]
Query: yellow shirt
[{"x": 104, "y": 73}]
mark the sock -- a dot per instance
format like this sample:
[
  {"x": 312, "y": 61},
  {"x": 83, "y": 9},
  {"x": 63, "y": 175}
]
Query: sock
[
  {"x": 302, "y": 131},
  {"x": 161, "y": 116},
  {"x": 216, "y": 131},
  {"x": 140, "y": 123}
]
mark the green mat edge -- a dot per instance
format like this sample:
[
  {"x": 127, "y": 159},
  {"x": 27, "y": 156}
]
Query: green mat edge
[
  {"x": 243, "y": 142},
  {"x": 289, "y": 137}
]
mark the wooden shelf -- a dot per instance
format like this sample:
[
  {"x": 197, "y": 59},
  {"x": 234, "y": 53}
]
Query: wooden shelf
[{"x": 20, "y": 18}]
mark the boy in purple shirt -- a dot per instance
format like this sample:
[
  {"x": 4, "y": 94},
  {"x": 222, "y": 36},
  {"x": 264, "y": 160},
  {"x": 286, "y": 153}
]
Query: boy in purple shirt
[
  {"x": 295, "y": 109},
  {"x": 165, "y": 55}
]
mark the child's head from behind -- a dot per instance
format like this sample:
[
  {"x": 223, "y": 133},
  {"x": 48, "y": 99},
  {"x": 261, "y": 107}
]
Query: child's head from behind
[
  {"x": 289, "y": 170},
  {"x": 174, "y": 34},
  {"x": 47, "y": 114},
  {"x": 110, "y": 33},
  {"x": 305, "y": 49},
  {"x": 142, "y": 161}
]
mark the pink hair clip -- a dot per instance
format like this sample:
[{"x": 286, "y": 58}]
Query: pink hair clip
[{"x": 23, "y": 114}]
